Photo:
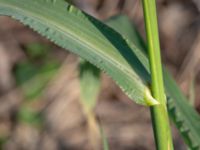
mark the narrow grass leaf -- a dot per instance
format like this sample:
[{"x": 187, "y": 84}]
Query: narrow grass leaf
[
  {"x": 89, "y": 85},
  {"x": 72, "y": 29}
]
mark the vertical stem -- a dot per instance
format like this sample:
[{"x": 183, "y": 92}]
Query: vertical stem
[{"x": 160, "y": 120}]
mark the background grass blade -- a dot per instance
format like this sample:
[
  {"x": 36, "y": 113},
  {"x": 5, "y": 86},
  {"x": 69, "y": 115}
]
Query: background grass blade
[
  {"x": 181, "y": 112},
  {"x": 122, "y": 25},
  {"x": 104, "y": 139},
  {"x": 89, "y": 90},
  {"x": 89, "y": 85}
]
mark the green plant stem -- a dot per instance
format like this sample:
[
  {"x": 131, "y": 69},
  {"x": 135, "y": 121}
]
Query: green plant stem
[{"x": 160, "y": 120}]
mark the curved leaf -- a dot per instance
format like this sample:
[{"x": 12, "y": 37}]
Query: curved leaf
[{"x": 80, "y": 33}]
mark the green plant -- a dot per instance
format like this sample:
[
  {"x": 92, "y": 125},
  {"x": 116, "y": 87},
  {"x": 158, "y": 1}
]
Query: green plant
[
  {"x": 110, "y": 51},
  {"x": 159, "y": 113}
]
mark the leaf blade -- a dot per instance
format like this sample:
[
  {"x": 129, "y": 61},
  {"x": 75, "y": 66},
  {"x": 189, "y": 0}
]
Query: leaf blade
[
  {"x": 89, "y": 78},
  {"x": 85, "y": 36}
]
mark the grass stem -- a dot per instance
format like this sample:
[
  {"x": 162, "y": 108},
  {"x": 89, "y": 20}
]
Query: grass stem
[{"x": 160, "y": 120}]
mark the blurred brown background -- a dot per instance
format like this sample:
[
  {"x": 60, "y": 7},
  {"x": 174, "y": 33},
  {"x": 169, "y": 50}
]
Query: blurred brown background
[{"x": 39, "y": 87}]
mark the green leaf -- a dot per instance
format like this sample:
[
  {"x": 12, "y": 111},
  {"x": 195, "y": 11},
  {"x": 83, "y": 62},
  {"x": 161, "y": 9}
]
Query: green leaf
[
  {"x": 89, "y": 90},
  {"x": 181, "y": 112},
  {"x": 89, "y": 85},
  {"x": 92, "y": 40}
]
